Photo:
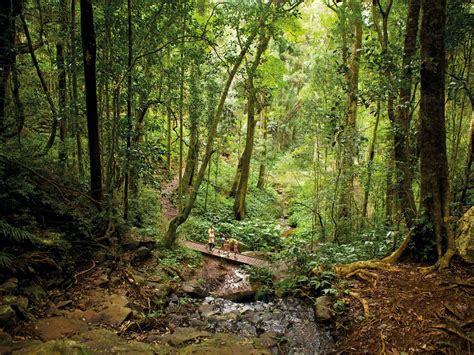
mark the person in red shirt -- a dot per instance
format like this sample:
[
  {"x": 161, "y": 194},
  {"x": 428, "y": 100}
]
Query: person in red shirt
[
  {"x": 236, "y": 248},
  {"x": 227, "y": 247}
]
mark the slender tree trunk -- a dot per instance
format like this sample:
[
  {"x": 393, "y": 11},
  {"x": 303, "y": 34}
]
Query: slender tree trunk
[
  {"x": 241, "y": 193},
  {"x": 349, "y": 151},
  {"x": 89, "y": 56},
  {"x": 262, "y": 170},
  {"x": 62, "y": 84},
  {"x": 75, "y": 107},
  {"x": 194, "y": 118},
  {"x": 8, "y": 11},
  {"x": 184, "y": 213},
  {"x": 19, "y": 110},
  {"x": 370, "y": 162},
  {"x": 129, "y": 114},
  {"x": 62, "y": 104},
  {"x": 44, "y": 86},
  {"x": 168, "y": 140},
  {"x": 401, "y": 125},
  {"x": 467, "y": 181}
]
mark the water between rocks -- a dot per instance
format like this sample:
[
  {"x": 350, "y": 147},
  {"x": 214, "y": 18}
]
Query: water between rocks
[{"x": 289, "y": 320}]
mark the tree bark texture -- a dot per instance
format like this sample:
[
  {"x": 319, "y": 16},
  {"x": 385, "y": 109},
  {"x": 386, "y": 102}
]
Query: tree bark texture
[
  {"x": 349, "y": 148},
  {"x": 401, "y": 125},
  {"x": 89, "y": 57},
  {"x": 435, "y": 195},
  {"x": 8, "y": 11}
]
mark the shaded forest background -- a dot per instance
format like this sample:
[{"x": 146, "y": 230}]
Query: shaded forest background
[{"x": 353, "y": 118}]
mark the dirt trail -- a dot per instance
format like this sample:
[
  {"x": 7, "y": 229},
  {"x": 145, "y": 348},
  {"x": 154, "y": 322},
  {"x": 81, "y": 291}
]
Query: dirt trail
[{"x": 410, "y": 312}]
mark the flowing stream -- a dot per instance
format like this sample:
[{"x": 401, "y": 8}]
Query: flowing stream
[{"x": 289, "y": 320}]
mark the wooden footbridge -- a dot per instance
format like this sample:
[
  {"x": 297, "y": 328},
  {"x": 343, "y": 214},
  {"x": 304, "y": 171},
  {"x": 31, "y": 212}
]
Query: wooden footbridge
[{"x": 236, "y": 258}]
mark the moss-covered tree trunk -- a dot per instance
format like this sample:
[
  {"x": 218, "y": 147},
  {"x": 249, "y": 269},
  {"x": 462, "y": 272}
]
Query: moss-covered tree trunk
[
  {"x": 401, "y": 124},
  {"x": 346, "y": 196},
  {"x": 435, "y": 195},
  {"x": 241, "y": 193}
]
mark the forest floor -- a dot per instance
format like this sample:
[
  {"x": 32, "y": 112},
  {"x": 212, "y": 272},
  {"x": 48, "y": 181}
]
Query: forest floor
[{"x": 410, "y": 312}]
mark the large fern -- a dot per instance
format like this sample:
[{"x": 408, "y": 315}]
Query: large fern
[
  {"x": 6, "y": 260},
  {"x": 14, "y": 234}
]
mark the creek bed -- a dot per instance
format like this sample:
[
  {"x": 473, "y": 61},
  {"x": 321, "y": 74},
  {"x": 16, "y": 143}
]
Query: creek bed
[{"x": 288, "y": 324}]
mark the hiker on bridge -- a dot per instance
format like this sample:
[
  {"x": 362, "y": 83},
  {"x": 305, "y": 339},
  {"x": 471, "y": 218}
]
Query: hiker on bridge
[{"x": 211, "y": 237}]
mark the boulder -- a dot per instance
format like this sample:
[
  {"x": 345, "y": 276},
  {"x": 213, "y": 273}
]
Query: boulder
[
  {"x": 66, "y": 346},
  {"x": 5, "y": 339},
  {"x": 103, "y": 341},
  {"x": 58, "y": 327},
  {"x": 465, "y": 236},
  {"x": 141, "y": 254},
  {"x": 34, "y": 291},
  {"x": 114, "y": 315},
  {"x": 323, "y": 308},
  {"x": 7, "y": 315},
  {"x": 129, "y": 242},
  {"x": 193, "y": 288},
  {"x": 149, "y": 243},
  {"x": 9, "y": 286},
  {"x": 183, "y": 336}
]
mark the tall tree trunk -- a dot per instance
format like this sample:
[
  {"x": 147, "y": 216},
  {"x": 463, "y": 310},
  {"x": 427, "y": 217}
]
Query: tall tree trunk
[
  {"x": 370, "y": 161},
  {"x": 184, "y": 213},
  {"x": 467, "y": 180},
  {"x": 194, "y": 118},
  {"x": 44, "y": 86},
  {"x": 241, "y": 193},
  {"x": 129, "y": 114},
  {"x": 62, "y": 83},
  {"x": 89, "y": 57},
  {"x": 61, "y": 104},
  {"x": 8, "y": 11},
  {"x": 75, "y": 106},
  {"x": 350, "y": 132},
  {"x": 435, "y": 195},
  {"x": 262, "y": 169},
  {"x": 401, "y": 125}
]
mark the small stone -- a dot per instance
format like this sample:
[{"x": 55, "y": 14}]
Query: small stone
[
  {"x": 9, "y": 286},
  {"x": 63, "y": 304},
  {"x": 102, "y": 280},
  {"x": 149, "y": 243},
  {"x": 114, "y": 315},
  {"x": 35, "y": 291},
  {"x": 141, "y": 254},
  {"x": 5, "y": 339},
  {"x": 207, "y": 310},
  {"x": 7, "y": 315},
  {"x": 323, "y": 308}
]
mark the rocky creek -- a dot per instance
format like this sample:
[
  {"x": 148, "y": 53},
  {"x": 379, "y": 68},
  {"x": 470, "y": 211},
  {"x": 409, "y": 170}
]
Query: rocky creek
[{"x": 285, "y": 325}]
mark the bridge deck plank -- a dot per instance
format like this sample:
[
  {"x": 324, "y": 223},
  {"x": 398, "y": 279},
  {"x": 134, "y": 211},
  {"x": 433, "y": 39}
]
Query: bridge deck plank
[{"x": 238, "y": 258}]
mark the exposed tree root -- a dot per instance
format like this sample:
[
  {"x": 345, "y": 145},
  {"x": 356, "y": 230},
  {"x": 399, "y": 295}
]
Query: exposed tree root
[
  {"x": 454, "y": 331},
  {"x": 392, "y": 258},
  {"x": 364, "y": 303},
  {"x": 382, "y": 344},
  {"x": 368, "y": 264},
  {"x": 369, "y": 277}
]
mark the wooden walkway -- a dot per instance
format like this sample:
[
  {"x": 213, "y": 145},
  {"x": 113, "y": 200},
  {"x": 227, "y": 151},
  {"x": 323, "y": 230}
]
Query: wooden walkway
[{"x": 239, "y": 258}]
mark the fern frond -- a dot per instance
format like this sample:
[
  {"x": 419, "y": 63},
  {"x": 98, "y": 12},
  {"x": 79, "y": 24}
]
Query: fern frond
[
  {"x": 6, "y": 260},
  {"x": 15, "y": 234}
]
